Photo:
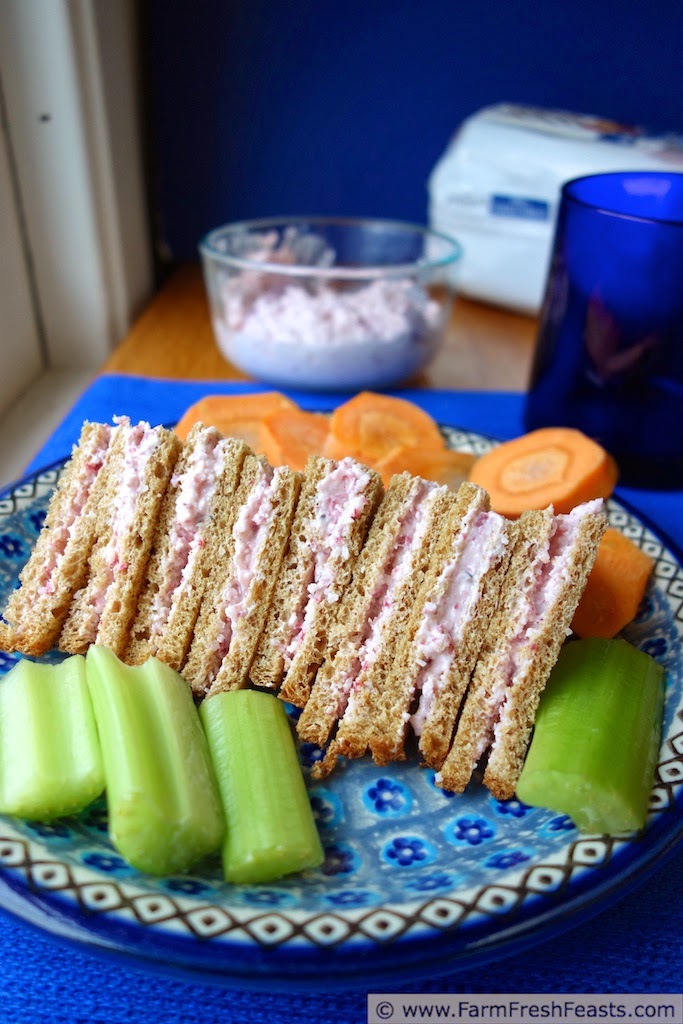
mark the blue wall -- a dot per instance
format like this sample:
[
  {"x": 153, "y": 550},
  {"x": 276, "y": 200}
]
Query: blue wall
[{"x": 264, "y": 107}]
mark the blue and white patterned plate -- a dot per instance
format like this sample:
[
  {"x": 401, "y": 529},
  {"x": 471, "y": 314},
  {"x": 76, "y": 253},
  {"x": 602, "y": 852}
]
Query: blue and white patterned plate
[{"x": 415, "y": 881}]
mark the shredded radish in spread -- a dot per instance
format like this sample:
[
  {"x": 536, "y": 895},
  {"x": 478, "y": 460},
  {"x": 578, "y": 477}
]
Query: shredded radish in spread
[
  {"x": 340, "y": 499},
  {"x": 249, "y": 533},
  {"x": 414, "y": 524},
  {"x": 140, "y": 442},
  {"x": 61, "y": 534},
  {"x": 542, "y": 587},
  {"x": 196, "y": 489},
  {"x": 274, "y": 307},
  {"x": 481, "y": 542}
]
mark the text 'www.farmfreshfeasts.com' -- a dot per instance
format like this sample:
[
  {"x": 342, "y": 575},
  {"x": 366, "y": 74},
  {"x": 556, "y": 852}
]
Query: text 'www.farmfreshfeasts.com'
[{"x": 525, "y": 1009}]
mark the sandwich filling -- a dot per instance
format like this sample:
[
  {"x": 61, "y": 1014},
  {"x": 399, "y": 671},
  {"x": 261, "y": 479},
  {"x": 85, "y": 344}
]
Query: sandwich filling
[
  {"x": 340, "y": 499},
  {"x": 61, "y": 534},
  {"x": 481, "y": 542},
  {"x": 140, "y": 441},
  {"x": 542, "y": 584},
  {"x": 196, "y": 488},
  {"x": 414, "y": 523},
  {"x": 249, "y": 535}
]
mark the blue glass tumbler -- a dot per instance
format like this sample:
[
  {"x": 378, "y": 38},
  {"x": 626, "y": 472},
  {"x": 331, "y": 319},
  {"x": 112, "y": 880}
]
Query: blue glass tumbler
[{"x": 609, "y": 353}]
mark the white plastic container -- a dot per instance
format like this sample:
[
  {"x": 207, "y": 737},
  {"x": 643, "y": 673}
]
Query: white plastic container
[{"x": 496, "y": 189}]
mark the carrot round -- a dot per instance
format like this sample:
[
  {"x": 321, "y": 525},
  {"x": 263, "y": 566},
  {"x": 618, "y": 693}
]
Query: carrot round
[
  {"x": 443, "y": 465},
  {"x": 556, "y": 466},
  {"x": 371, "y": 425},
  {"x": 290, "y": 436},
  {"x": 234, "y": 415},
  {"x": 615, "y": 588}
]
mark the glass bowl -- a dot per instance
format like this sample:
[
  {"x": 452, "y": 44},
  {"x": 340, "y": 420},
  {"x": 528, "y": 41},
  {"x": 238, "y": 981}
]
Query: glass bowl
[{"x": 326, "y": 303}]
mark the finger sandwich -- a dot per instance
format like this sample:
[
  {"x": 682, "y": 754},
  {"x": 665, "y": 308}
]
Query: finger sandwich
[
  {"x": 447, "y": 628},
  {"x": 377, "y": 608},
  {"x": 245, "y": 562},
  {"x": 550, "y": 563},
  {"x": 139, "y": 463},
  {"x": 337, "y": 503},
  {"x": 58, "y": 565},
  {"x": 197, "y": 509}
]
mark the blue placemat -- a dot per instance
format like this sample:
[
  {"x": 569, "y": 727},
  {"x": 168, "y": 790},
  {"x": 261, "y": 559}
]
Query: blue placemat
[{"x": 633, "y": 946}]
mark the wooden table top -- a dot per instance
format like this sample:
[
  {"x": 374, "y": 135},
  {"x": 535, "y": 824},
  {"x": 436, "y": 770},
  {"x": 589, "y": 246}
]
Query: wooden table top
[{"x": 486, "y": 348}]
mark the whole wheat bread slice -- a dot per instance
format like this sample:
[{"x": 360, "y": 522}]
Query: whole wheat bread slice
[
  {"x": 512, "y": 732},
  {"x": 205, "y": 479},
  {"x": 224, "y": 643},
  {"x": 447, "y": 628},
  {"x": 327, "y": 700},
  {"x": 475, "y": 727},
  {"x": 517, "y": 659},
  {"x": 138, "y": 469},
  {"x": 334, "y": 512},
  {"x": 58, "y": 564},
  {"x": 384, "y": 590}
]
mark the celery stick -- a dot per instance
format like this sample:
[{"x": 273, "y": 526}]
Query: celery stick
[
  {"x": 270, "y": 827},
  {"x": 597, "y": 737},
  {"x": 50, "y": 760},
  {"x": 162, "y": 798}
]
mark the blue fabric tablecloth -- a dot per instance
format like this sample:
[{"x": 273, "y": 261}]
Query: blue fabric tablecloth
[{"x": 634, "y": 945}]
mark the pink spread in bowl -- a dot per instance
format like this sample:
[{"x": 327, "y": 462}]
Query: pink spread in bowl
[{"x": 331, "y": 304}]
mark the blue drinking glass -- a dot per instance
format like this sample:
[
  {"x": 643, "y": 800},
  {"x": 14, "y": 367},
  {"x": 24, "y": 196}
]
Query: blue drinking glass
[{"x": 609, "y": 354}]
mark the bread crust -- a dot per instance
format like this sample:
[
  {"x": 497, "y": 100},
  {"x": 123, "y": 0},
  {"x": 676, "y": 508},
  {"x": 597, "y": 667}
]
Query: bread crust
[
  {"x": 35, "y": 613},
  {"x": 307, "y": 559},
  {"x": 513, "y": 730},
  {"x": 318, "y": 717},
  {"x": 102, "y": 611},
  {"x": 481, "y": 726},
  {"x": 352, "y": 683},
  {"x": 172, "y": 642},
  {"x": 475, "y": 728},
  {"x": 467, "y": 509},
  {"x": 201, "y": 670}
]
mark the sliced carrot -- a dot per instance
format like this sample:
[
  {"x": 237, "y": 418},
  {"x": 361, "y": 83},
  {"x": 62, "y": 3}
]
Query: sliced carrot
[
  {"x": 444, "y": 466},
  {"x": 289, "y": 436},
  {"x": 370, "y": 425},
  {"x": 615, "y": 588},
  {"x": 555, "y": 466},
  {"x": 234, "y": 415}
]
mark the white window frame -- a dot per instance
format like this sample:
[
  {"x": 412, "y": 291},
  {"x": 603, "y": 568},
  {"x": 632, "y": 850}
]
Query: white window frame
[
  {"x": 70, "y": 82},
  {"x": 21, "y": 352}
]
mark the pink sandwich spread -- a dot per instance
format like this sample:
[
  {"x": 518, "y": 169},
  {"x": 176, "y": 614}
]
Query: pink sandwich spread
[
  {"x": 481, "y": 543},
  {"x": 140, "y": 442},
  {"x": 96, "y": 446},
  {"x": 249, "y": 534},
  {"x": 195, "y": 492},
  {"x": 415, "y": 521},
  {"x": 550, "y": 562},
  {"x": 544, "y": 581},
  {"x": 340, "y": 499}
]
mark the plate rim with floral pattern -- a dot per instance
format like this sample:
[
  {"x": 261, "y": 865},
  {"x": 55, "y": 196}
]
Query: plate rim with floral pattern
[{"x": 430, "y": 899}]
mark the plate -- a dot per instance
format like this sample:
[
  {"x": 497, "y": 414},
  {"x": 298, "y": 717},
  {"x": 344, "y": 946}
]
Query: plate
[{"x": 415, "y": 881}]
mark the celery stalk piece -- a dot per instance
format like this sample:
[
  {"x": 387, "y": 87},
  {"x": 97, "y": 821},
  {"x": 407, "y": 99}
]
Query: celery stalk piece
[
  {"x": 162, "y": 798},
  {"x": 50, "y": 760},
  {"x": 270, "y": 826},
  {"x": 597, "y": 737}
]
